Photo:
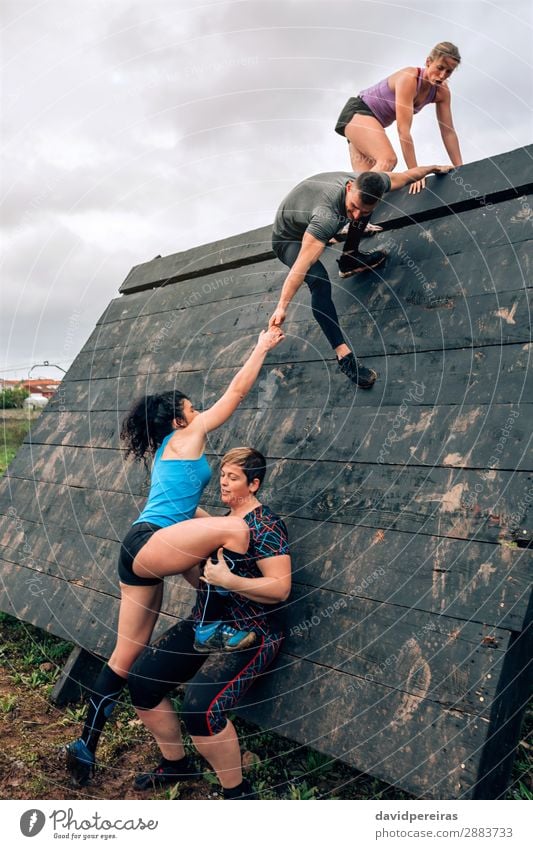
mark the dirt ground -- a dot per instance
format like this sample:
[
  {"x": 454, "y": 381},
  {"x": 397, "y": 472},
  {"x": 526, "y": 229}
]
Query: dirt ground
[{"x": 32, "y": 762}]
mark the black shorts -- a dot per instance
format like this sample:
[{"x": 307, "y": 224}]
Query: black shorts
[
  {"x": 135, "y": 539},
  {"x": 355, "y": 105}
]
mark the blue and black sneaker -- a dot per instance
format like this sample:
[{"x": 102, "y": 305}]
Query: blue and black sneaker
[
  {"x": 215, "y": 636},
  {"x": 80, "y": 762}
]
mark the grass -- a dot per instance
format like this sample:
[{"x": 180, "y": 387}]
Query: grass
[{"x": 15, "y": 425}]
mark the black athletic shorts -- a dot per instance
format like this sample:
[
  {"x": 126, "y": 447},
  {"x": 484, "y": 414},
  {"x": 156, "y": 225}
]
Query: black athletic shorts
[
  {"x": 355, "y": 105},
  {"x": 135, "y": 539}
]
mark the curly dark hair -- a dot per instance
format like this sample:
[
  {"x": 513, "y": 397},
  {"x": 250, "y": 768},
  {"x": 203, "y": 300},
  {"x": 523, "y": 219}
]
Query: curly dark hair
[{"x": 149, "y": 421}]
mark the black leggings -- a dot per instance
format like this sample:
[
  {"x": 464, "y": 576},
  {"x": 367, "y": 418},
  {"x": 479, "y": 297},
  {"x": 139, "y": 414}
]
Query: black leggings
[
  {"x": 216, "y": 682},
  {"x": 317, "y": 279}
]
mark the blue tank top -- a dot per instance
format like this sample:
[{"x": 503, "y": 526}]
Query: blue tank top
[{"x": 176, "y": 487}]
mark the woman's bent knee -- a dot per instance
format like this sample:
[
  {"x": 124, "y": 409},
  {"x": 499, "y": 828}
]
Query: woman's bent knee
[
  {"x": 386, "y": 164},
  {"x": 199, "y": 716},
  {"x": 145, "y": 692}
]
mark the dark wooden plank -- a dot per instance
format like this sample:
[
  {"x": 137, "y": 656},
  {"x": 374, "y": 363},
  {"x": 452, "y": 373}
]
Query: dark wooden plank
[
  {"x": 389, "y": 734},
  {"x": 482, "y": 183},
  {"x": 376, "y": 641},
  {"x": 422, "y": 259},
  {"x": 505, "y": 174},
  {"x": 484, "y": 375},
  {"x": 186, "y": 294},
  {"x": 447, "y": 502},
  {"x": 440, "y": 275},
  {"x": 473, "y": 436},
  {"x": 500, "y": 319},
  {"x": 222, "y": 255},
  {"x": 79, "y": 672},
  {"x": 467, "y": 580}
]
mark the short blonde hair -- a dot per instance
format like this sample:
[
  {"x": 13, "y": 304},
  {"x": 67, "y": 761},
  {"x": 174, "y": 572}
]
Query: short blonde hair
[
  {"x": 252, "y": 462},
  {"x": 445, "y": 48}
]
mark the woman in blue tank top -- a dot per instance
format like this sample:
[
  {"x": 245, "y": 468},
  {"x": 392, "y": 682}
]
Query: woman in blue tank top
[
  {"x": 166, "y": 539},
  {"x": 398, "y": 98}
]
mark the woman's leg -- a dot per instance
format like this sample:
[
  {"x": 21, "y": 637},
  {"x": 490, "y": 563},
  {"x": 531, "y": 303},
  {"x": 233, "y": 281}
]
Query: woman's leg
[
  {"x": 164, "y": 724},
  {"x": 370, "y": 148},
  {"x": 138, "y": 612},
  {"x": 216, "y": 689},
  {"x": 175, "y": 549},
  {"x": 223, "y": 752},
  {"x": 171, "y": 660}
]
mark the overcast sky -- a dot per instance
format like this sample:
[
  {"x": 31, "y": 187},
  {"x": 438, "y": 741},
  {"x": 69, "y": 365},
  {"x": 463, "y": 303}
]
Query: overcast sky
[{"x": 133, "y": 128}]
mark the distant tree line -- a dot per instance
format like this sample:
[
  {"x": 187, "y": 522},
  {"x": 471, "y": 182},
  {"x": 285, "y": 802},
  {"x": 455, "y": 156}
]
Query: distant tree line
[{"x": 13, "y": 397}]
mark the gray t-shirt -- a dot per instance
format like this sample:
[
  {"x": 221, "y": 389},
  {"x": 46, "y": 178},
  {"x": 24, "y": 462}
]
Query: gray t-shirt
[{"x": 316, "y": 206}]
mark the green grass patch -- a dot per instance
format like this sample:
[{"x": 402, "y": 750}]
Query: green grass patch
[{"x": 14, "y": 427}]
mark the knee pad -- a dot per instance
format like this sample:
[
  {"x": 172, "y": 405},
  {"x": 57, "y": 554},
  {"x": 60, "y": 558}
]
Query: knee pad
[
  {"x": 145, "y": 693},
  {"x": 198, "y": 716}
]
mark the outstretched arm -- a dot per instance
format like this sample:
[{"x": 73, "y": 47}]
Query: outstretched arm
[
  {"x": 402, "y": 178},
  {"x": 310, "y": 251},
  {"x": 240, "y": 385}
]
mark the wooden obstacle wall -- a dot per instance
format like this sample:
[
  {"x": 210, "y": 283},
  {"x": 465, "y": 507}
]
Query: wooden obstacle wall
[{"x": 409, "y": 626}]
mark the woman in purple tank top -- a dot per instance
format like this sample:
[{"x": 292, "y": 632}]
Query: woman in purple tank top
[{"x": 398, "y": 98}]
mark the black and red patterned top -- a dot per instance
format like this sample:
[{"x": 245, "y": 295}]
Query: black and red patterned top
[{"x": 268, "y": 538}]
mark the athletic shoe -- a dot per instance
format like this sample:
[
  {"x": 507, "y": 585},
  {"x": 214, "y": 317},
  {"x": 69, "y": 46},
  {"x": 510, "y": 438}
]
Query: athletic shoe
[
  {"x": 80, "y": 762},
  {"x": 217, "y": 637},
  {"x": 164, "y": 774},
  {"x": 245, "y": 791},
  {"x": 357, "y": 372},
  {"x": 350, "y": 264}
]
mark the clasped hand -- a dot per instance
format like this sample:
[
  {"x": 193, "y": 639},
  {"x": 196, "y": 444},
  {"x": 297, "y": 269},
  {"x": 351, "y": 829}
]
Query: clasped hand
[{"x": 217, "y": 572}]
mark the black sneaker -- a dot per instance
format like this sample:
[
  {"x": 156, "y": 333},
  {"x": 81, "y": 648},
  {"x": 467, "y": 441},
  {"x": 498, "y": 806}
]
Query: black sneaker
[
  {"x": 164, "y": 774},
  {"x": 357, "y": 372},
  {"x": 80, "y": 762},
  {"x": 350, "y": 264},
  {"x": 244, "y": 791}
]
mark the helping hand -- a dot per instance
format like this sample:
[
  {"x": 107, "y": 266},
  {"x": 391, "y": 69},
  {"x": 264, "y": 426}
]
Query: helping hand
[
  {"x": 278, "y": 317},
  {"x": 268, "y": 339}
]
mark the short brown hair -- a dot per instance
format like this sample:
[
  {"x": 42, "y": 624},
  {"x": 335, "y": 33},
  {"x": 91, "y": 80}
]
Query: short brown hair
[{"x": 252, "y": 462}]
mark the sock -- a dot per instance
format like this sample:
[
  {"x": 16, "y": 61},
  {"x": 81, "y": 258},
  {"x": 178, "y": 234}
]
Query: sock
[
  {"x": 104, "y": 695},
  {"x": 355, "y": 232},
  {"x": 242, "y": 791}
]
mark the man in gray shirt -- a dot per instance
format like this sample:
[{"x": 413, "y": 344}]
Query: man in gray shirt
[{"x": 309, "y": 217}]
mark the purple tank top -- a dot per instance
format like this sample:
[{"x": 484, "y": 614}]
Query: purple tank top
[{"x": 381, "y": 99}]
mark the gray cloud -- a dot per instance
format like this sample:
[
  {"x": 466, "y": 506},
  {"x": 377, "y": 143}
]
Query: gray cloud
[{"x": 136, "y": 129}]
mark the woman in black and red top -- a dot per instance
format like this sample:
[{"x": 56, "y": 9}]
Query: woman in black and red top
[{"x": 256, "y": 586}]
